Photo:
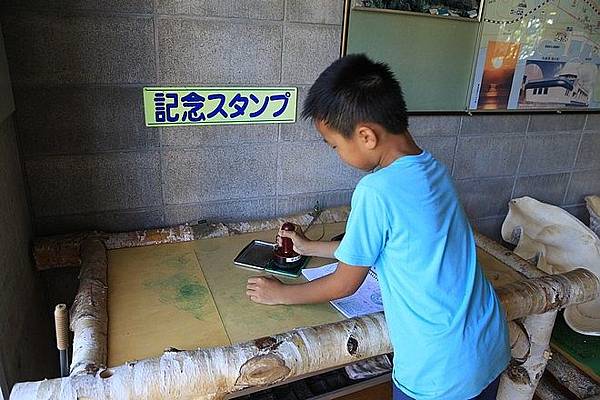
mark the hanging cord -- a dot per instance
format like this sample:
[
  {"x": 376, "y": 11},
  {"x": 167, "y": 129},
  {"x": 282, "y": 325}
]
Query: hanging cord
[{"x": 316, "y": 215}]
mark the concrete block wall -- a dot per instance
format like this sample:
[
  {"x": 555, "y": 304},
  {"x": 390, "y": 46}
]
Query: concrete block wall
[
  {"x": 496, "y": 157},
  {"x": 551, "y": 157},
  {"x": 78, "y": 72},
  {"x": 79, "y": 68},
  {"x": 26, "y": 335}
]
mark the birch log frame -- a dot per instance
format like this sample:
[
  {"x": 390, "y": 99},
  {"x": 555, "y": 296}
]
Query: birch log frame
[
  {"x": 521, "y": 378},
  {"x": 216, "y": 372},
  {"x": 548, "y": 293},
  {"x": 89, "y": 316},
  {"x": 507, "y": 257},
  {"x": 557, "y": 242},
  {"x": 212, "y": 373},
  {"x": 261, "y": 362},
  {"x": 65, "y": 250}
]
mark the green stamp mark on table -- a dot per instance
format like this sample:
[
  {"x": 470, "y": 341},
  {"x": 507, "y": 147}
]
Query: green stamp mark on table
[
  {"x": 180, "y": 288},
  {"x": 183, "y": 291}
]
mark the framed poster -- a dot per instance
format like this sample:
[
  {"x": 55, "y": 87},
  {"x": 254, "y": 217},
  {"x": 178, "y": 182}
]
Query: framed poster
[
  {"x": 538, "y": 55},
  {"x": 468, "y": 9},
  {"x": 432, "y": 57}
]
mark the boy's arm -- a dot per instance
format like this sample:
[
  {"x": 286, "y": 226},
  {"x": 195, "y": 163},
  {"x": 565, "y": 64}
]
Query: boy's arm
[
  {"x": 343, "y": 282},
  {"x": 307, "y": 247},
  {"x": 321, "y": 249}
]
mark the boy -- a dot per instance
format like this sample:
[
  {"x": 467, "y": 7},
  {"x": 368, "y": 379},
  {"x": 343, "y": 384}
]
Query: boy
[{"x": 445, "y": 322}]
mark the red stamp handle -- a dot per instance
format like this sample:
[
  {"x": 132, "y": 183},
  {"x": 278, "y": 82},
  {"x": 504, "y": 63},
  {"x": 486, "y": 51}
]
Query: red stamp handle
[{"x": 287, "y": 246}]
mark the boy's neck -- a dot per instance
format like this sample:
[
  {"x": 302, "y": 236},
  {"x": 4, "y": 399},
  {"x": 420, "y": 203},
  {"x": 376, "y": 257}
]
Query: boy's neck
[{"x": 395, "y": 147}]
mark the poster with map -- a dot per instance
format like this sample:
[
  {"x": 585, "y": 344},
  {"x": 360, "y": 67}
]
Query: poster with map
[
  {"x": 445, "y": 8},
  {"x": 538, "y": 54}
]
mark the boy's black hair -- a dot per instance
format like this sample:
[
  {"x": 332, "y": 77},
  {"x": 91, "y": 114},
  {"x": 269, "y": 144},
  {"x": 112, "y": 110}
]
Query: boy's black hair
[{"x": 355, "y": 89}]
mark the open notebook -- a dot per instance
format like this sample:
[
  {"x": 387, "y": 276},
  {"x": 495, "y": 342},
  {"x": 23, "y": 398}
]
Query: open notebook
[{"x": 366, "y": 300}]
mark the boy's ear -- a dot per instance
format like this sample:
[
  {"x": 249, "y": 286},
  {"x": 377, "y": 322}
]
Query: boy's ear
[{"x": 367, "y": 136}]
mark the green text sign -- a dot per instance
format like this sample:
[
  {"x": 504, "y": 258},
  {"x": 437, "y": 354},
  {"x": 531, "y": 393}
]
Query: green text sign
[{"x": 166, "y": 106}]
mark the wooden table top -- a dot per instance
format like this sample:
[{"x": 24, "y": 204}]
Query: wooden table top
[{"x": 191, "y": 295}]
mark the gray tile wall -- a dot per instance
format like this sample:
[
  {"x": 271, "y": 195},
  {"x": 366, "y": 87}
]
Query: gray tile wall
[
  {"x": 79, "y": 67},
  {"x": 551, "y": 157},
  {"x": 25, "y": 327},
  {"x": 78, "y": 70},
  {"x": 495, "y": 157}
]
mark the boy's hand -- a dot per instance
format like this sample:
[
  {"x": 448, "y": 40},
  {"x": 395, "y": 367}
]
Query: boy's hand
[
  {"x": 265, "y": 290},
  {"x": 301, "y": 242}
]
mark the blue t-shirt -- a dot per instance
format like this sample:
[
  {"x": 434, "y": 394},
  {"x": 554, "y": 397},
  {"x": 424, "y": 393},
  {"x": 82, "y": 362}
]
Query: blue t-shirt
[{"x": 445, "y": 322}]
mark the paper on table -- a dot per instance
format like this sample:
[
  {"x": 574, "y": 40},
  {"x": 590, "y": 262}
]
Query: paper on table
[{"x": 366, "y": 300}]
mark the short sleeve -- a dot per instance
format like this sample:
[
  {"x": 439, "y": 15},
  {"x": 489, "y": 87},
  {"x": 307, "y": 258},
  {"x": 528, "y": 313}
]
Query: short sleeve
[{"x": 366, "y": 229}]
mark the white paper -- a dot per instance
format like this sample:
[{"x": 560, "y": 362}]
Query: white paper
[{"x": 366, "y": 300}]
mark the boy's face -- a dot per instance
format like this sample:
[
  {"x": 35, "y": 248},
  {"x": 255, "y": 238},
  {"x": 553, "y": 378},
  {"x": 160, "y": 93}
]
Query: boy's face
[{"x": 353, "y": 151}]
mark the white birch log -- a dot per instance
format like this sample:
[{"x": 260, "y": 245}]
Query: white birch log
[
  {"x": 520, "y": 346},
  {"x": 522, "y": 349},
  {"x": 538, "y": 296},
  {"x": 507, "y": 257},
  {"x": 64, "y": 250},
  {"x": 528, "y": 359},
  {"x": 536, "y": 302},
  {"x": 213, "y": 373},
  {"x": 557, "y": 242},
  {"x": 520, "y": 379},
  {"x": 89, "y": 317}
]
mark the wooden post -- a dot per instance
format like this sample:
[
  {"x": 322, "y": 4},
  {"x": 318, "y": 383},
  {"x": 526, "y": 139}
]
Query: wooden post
[
  {"x": 89, "y": 317},
  {"x": 521, "y": 378},
  {"x": 61, "y": 324}
]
